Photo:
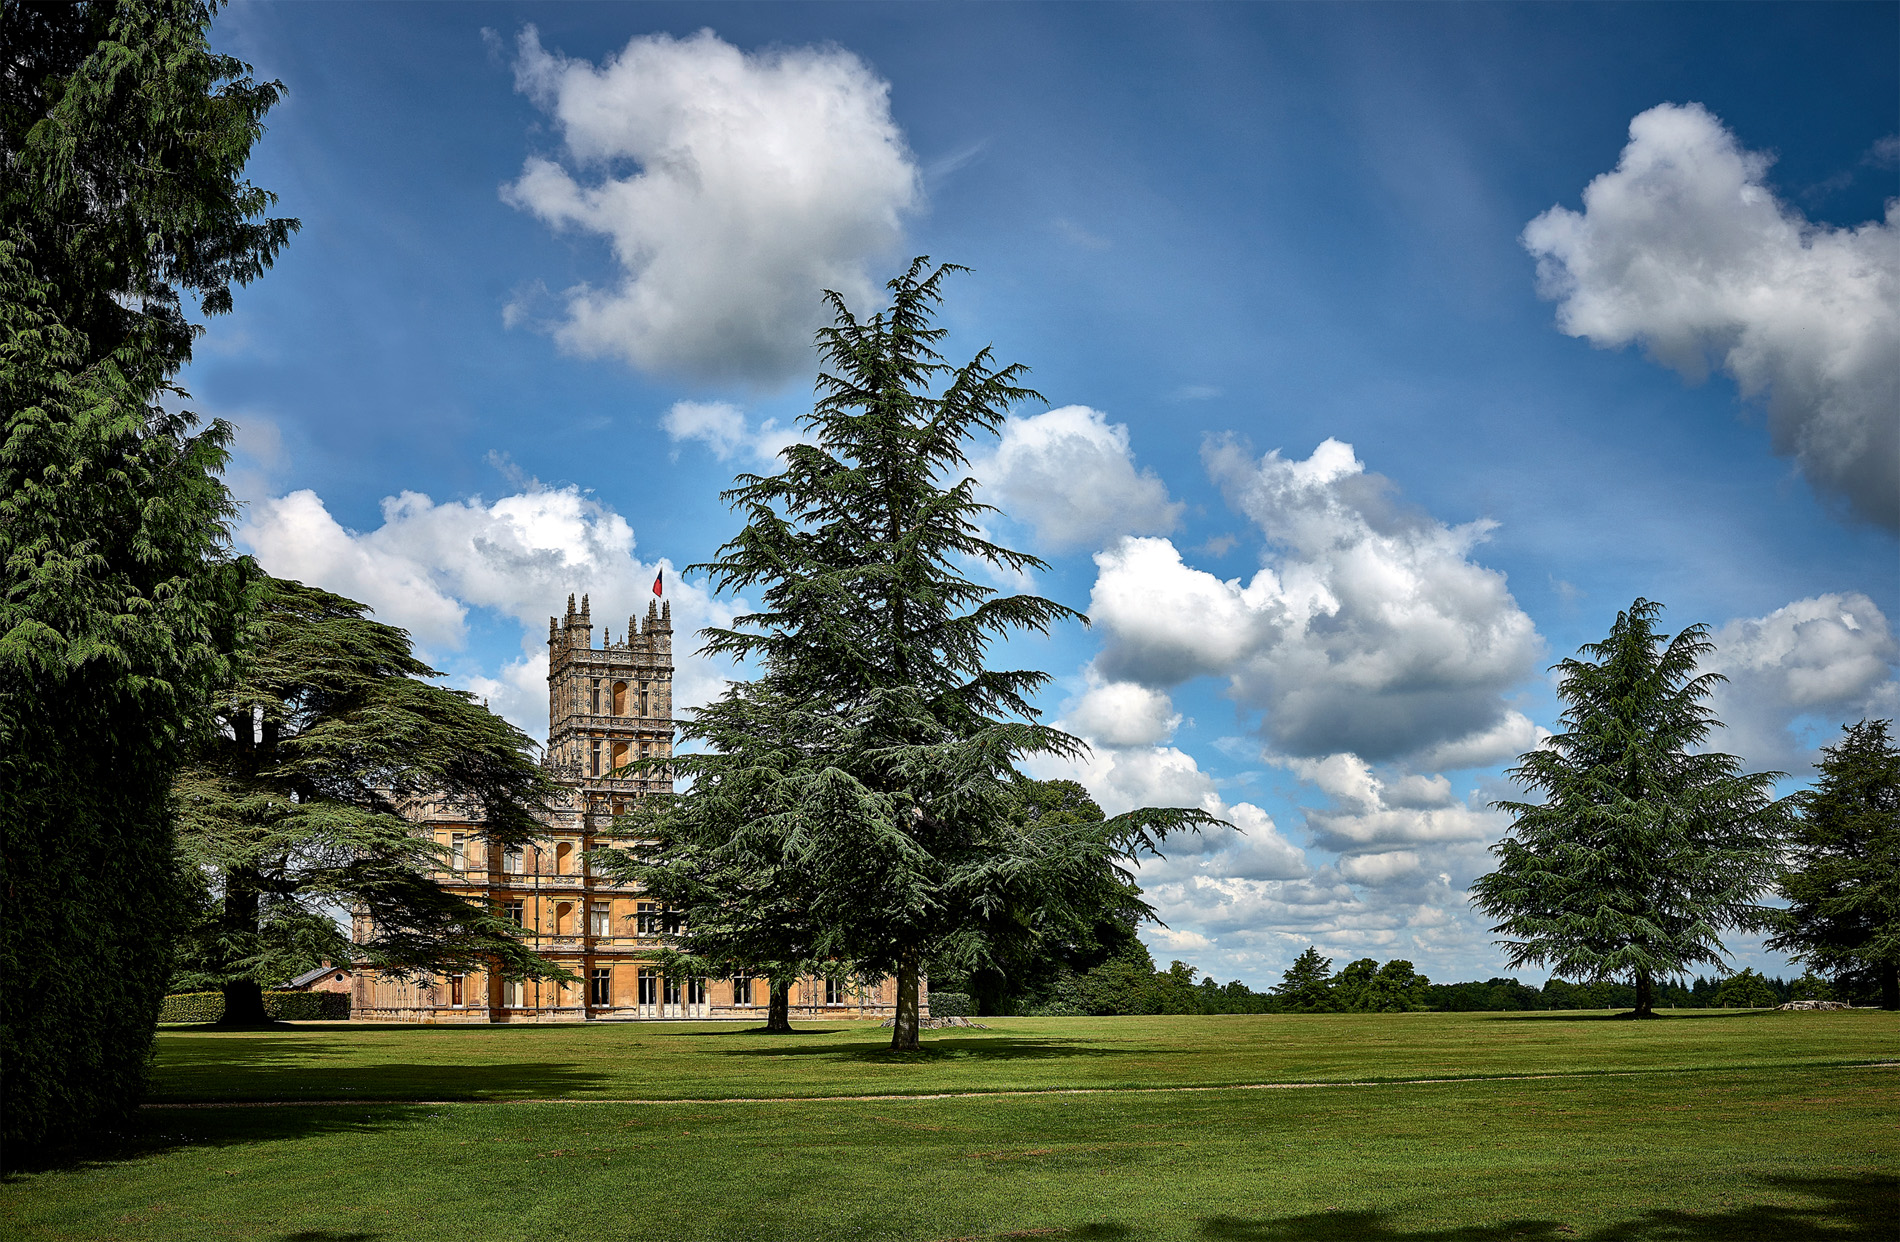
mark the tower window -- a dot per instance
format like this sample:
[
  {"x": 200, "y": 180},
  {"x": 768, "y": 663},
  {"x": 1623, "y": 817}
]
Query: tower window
[
  {"x": 593, "y": 758},
  {"x": 593, "y": 698}
]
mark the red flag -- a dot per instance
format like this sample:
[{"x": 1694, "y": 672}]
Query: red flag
[{"x": 656, "y": 582}]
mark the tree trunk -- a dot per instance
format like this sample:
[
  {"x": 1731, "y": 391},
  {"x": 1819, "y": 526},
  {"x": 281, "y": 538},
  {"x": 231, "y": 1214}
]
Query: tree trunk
[
  {"x": 1889, "y": 986},
  {"x": 778, "y": 1010},
  {"x": 904, "y": 1027},
  {"x": 1645, "y": 995},
  {"x": 243, "y": 998},
  {"x": 244, "y": 1004}
]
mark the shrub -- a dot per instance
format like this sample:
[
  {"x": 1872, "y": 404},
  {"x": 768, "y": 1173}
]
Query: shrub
[
  {"x": 308, "y": 1006},
  {"x": 951, "y": 1005},
  {"x": 192, "y": 1007},
  {"x": 281, "y": 1006}
]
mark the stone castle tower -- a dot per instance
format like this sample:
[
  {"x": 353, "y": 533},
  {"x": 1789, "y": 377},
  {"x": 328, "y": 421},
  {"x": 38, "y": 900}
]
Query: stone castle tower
[{"x": 609, "y": 706}]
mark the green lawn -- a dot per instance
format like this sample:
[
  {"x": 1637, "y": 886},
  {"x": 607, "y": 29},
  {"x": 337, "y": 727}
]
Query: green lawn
[{"x": 1700, "y": 1126}]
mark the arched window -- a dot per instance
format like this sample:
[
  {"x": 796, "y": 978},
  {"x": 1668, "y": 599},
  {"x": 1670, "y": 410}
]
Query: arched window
[
  {"x": 563, "y": 858},
  {"x": 620, "y": 698},
  {"x": 563, "y": 918}
]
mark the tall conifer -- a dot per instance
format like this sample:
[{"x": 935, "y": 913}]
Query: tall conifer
[
  {"x": 1842, "y": 883},
  {"x": 881, "y": 806},
  {"x": 1643, "y": 850},
  {"x": 123, "y": 140},
  {"x": 293, "y": 809}
]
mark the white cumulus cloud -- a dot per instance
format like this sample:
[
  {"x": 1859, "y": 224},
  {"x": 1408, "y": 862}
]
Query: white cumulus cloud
[
  {"x": 1371, "y": 814},
  {"x": 1070, "y": 475},
  {"x": 1827, "y": 661},
  {"x": 1370, "y": 629},
  {"x": 724, "y": 428},
  {"x": 733, "y": 188},
  {"x": 1685, "y": 248},
  {"x": 520, "y": 556},
  {"x": 1122, "y": 713}
]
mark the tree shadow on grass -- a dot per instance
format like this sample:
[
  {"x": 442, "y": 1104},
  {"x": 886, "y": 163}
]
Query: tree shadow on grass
[
  {"x": 1662, "y": 1015},
  {"x": 155, "y": 1132},
  {"x": 1867, "y": 1206},
  {"x": 255, "y": 1079},
  {"x": 982, "y": 1048}
]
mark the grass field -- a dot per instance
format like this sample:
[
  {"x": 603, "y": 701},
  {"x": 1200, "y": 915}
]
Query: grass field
[{"x": 1706, "y": 1125}]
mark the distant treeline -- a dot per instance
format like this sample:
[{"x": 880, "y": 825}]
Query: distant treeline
[{"x": 1130, "y": 984}]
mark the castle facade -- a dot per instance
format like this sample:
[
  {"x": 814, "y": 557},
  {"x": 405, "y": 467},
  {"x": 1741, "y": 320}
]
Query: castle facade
[{"x": 607, "y": 706}]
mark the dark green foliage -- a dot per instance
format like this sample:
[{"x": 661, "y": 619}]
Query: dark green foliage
[
  {"x": 292, "y": 810},
  {"x": 1842, "y": 883},
  {"x": 123, "y": 140},
  {"x": 202, "y": 1007},
  {"x": 951, "y": 1005},
  {"x": 1307, "y": 986},
  {"x": 864, "y": 780},
  {"x": 1365, "y": 986},
  {"x": 1024, "y": 956},
  {"x": 192, "y": 1007},
  {"x": 1644, "y": 850},
  {"x": 1746, "y": 990}
]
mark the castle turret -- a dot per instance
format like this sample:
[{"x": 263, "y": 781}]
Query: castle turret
[{"x": 611, "y": 706}]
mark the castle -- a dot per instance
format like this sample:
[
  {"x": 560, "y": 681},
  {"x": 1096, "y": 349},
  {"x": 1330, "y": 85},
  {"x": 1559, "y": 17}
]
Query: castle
[{"x": 607, "y": 706}]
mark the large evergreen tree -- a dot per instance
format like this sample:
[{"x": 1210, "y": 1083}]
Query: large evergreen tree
[
  {"x": 123, "y": 139},
  {"x": 1021, "y": 954},
  {"x": 293, "y": 809},
  {"x": 1842, "y": 883},
  {"x": 1643, "y": 850},
  {"x": 886, "y": 811}
]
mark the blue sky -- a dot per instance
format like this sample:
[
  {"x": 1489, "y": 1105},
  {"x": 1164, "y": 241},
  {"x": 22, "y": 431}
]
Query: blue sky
[{"x": 1388, "y": 350}]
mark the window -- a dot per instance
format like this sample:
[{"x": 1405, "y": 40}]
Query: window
[
  {"x": 593, "y": 698},
  {"x": 511, "y": 860},
  {"x": 564, "y": 858},
  {"x": 458, "y": 851},
  {"x": 593, "y": 759},
  {"x": 620, "y": 755},
  {"x": 672, "y": 989},
  {"x": 646, "y": 918},
  {"x": 649, "y": 988},
  {"x": 600, "y": 919},
  {"x": 742, "y": 989},
  {"x": 563, "y": 918},
  {"x": 673, "y": 922},
  {"x": 600, "y": 990},
  {"x": 836, "y": 992},
  {"x": 695, "y": 991},
  {"x": 620, "y": 698},
  {"x": 455, "y": 991},
  {"x": 511, "y": 993},
  {"x": 512, "y": 911},
  {"x": 643, "y": 701}
]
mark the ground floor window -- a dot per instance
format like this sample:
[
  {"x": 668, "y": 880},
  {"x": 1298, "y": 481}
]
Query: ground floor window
[
  {"x": 649, "y": 987},
  {"x": 511, "y": 993},
  {"x": 695, "y": 991},
  {"x": 600, "y": 988},
  {"x": 836, "y": 992},
  {"x": 742, "y": 989},
  {"x": 672, "y": 991},
  {"x": 455, "y": 991}
]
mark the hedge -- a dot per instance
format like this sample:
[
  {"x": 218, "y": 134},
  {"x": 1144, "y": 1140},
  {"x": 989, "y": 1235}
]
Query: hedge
[
  {"x": 950, "y": 1005},
  {"x": 282, "y": 1006}
]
